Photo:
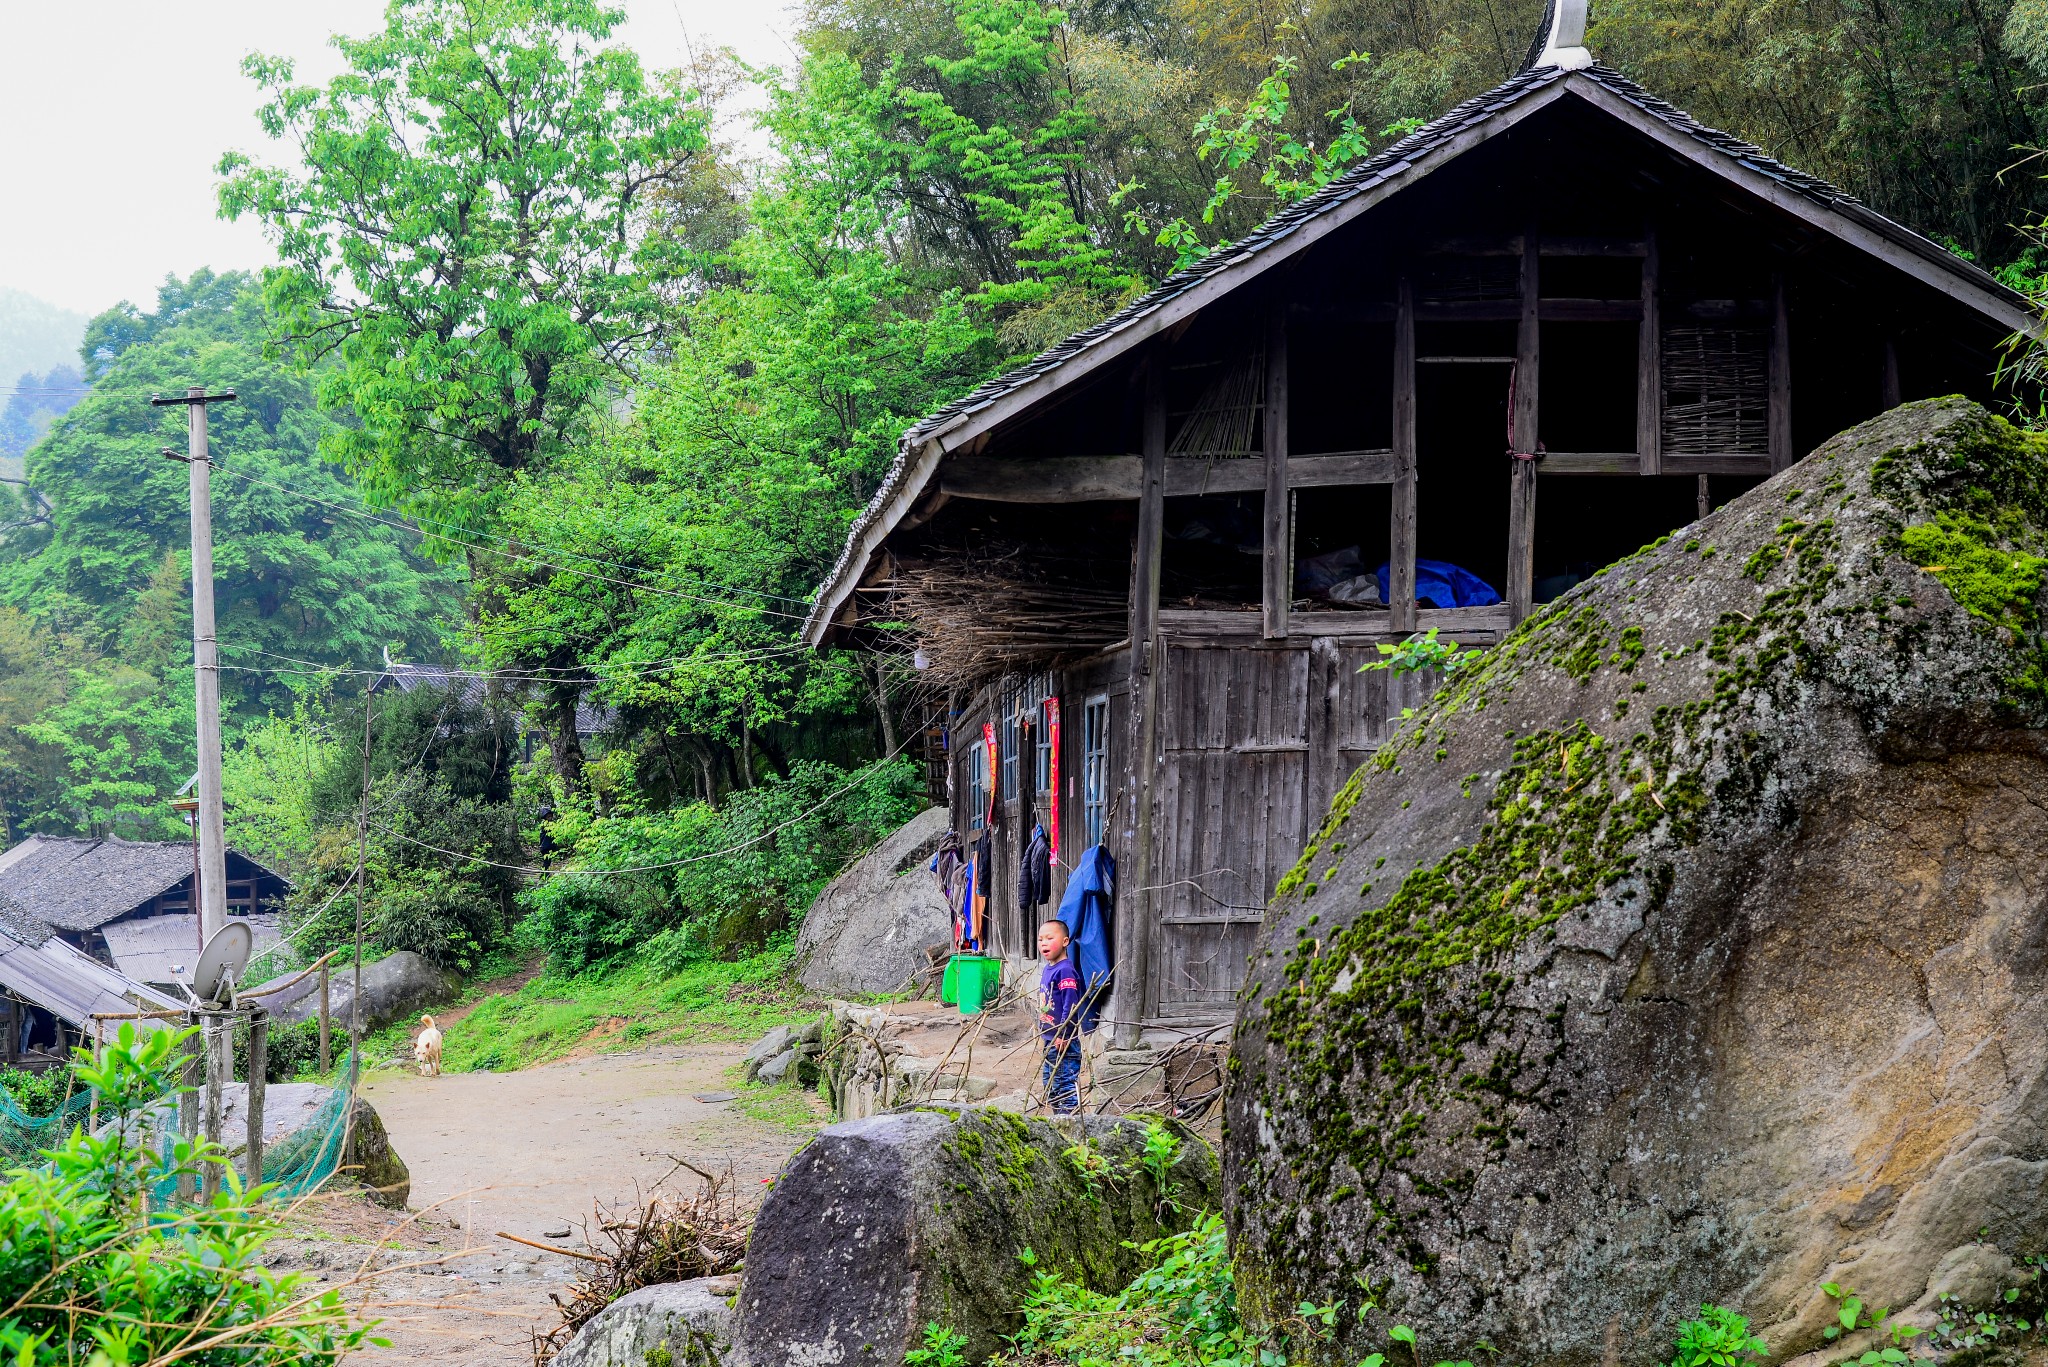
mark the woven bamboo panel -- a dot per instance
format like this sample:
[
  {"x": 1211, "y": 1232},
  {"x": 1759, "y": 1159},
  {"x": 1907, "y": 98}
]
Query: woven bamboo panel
[{"x": 1716, "y": 390}]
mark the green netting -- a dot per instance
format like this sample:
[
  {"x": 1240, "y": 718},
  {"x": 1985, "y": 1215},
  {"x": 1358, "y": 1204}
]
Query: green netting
[
  {"x": 297, "y": 1164},
  {"x": 23, "y": 1137}
]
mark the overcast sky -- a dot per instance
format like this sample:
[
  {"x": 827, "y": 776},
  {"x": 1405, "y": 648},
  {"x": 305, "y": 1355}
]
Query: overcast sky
[{"x": 115, "y": 112}]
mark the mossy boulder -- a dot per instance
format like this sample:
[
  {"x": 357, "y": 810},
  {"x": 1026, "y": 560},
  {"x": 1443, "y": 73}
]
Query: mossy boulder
[
  {"x": 1691, "y": 946},
  {"x": 881, "y": 1226}
]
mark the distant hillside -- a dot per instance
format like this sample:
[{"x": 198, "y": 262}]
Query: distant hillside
[{"x": 35, "y": 337}]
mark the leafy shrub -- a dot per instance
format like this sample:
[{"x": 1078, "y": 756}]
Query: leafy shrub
[
  {"x": 290, "y": 1050},
  {"x": 39, "y": 1094},
  {"x": 1180, "y": 1312},
  {"x": 91, "y": 1275},
  {"x": 1718, "y": 1338},
  {"x": 736, "y": 875}
]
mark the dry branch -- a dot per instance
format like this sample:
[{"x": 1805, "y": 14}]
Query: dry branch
[{"x": 659, "y": 1238}]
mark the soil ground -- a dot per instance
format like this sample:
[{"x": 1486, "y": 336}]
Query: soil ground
[{"x": 529, "y": 1153}]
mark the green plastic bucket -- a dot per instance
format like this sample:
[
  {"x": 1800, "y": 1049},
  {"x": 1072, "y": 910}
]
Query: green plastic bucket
[
  {"x": 949, "y": 982},
  {"x": 979, "y": 980}
]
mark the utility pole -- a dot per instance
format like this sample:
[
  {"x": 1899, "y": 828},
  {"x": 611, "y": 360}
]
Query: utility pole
[{"x": 213, "y": 859}]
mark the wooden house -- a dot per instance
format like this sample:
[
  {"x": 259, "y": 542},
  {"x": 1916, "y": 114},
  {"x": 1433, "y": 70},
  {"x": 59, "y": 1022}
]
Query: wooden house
[
  {"x": 128, "y": 903},
  {"x": 1557, "y": 323}
]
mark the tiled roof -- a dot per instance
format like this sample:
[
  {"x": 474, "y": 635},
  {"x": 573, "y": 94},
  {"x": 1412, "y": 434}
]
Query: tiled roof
[
  {"x": 1387, "y": 165},
  {"x": 81, "y": 884},
  {"x": 591, "y": 718}
]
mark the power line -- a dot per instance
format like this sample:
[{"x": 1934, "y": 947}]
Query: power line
[
  {"x": 802, "y": 816},
  {"x": 468, "y": 539}
]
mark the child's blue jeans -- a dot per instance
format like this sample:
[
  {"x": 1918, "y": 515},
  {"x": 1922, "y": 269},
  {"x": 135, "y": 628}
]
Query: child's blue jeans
[{"x": 1062, "y": 1076}]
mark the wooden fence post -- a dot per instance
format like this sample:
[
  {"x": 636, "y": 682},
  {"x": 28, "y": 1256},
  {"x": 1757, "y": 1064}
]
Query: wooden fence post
[
  {"x": 209, "y": 1175},
  {"x": 188, "y": 1102},
  {"x": 259, "y": 1062},
  {"x": 326, "y": 1060}
]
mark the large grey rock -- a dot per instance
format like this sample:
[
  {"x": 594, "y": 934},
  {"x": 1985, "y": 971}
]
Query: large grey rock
[
  {"x": 1692, "y": 947},
  {"x": 297, "y": 1129},
  {"x": 880, "y": 1226},
  {"x": 690, "y": 1320},
  {"x": 394, "y": 987},
  {"x": 867, "y": 931}
]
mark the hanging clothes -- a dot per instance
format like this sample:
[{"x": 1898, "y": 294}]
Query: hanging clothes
[
  {"x": 1089, "y": 909},
  {"x": 1034, "y": 874},
  {"x": 991, "y": 817},
  {"x": 949, "y": 866},
  {"x": 977, "y": 901},
  {"x": 1052, "y": 734}
]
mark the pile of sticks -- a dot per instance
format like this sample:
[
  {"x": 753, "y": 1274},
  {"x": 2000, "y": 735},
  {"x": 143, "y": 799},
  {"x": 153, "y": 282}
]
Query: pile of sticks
[
  {"x": 659, "y": 1238},
  {"x": 976, "y": 615}
]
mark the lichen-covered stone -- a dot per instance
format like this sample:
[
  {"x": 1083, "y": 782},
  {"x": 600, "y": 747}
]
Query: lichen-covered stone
[
  {"x": 881, "y": 1226},
  {"x": 1691, "y": 947},
  {"x": 679, "y": 1324}
]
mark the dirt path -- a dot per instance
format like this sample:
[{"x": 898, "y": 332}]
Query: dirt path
[{"x": 527, "y": 1153}]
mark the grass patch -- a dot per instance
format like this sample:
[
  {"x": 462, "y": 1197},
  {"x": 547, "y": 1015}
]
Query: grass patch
[
  {"x": 629, "y": 1008},
  {"x": 787, "y": 1105}
]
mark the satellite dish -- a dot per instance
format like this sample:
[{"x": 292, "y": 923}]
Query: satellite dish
[{"x": 222, "y": 961}]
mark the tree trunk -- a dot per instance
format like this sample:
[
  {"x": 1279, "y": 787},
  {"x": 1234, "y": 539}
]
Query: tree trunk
[
  {"x": 882, "y": 711},
  {"x": 565, "y": 747}
]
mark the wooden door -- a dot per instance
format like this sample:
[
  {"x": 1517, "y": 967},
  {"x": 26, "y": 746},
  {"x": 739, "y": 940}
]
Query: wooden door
[{"x": 1230, "y": 811}]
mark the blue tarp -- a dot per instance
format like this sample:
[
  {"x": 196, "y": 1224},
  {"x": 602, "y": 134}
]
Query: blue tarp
[{"x": 1444, "y": 585}]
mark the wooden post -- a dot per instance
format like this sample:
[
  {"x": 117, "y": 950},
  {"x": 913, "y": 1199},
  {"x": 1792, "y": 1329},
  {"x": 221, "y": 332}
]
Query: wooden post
[
  {"x": 1523, "y": 420},
  {"x": 1781, "y": 377},
  {"x": 259, "y": 1063},
  {"x": 1704, "y": 498},
  {"x": 326, "y": 1060},
  {"x": 1650, "y": 367},
  {"x": 1135, "y": 927},
  {"x": 1401, "y": 533},
  {"x": 209, "y": 1174},
  {"x": 188, "y": 1101},
  {"x": 92, "y": 1119},
  {"x": 1889, "y": 394},
  {"x": 1279, "y": 546}
]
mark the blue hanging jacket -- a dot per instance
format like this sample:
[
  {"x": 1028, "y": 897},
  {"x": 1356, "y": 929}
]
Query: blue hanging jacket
[
  {"x": 1444, "y": 585},
  {"x": 1089, "y": 909}
]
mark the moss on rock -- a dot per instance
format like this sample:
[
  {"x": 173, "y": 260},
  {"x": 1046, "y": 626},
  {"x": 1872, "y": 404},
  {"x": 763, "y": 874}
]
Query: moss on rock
[{"x": 1440, "y": 1072}]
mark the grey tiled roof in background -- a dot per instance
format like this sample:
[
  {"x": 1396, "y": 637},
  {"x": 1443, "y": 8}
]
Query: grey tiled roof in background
[{"x": 80, "y": 884}]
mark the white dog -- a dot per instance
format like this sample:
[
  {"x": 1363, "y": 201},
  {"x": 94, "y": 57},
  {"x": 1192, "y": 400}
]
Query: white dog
[{"x": 426, "y": 1050}]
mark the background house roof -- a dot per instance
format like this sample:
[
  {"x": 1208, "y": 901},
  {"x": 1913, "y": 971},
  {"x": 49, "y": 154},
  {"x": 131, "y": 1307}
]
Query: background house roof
[
  {"x": 591, "y": 718},
  {"x": 1249, "y": 255},
  {"x": 40, "y": 968},
  {"x": 145, "y": 948},
  {"x": 80, "y": 884}
]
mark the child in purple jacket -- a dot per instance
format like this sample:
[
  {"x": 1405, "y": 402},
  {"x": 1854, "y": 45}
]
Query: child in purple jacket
[{"x": 1059, "y": 1019}]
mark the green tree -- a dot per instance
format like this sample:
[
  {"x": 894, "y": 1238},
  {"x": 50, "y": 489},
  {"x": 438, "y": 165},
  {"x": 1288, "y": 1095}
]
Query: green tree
[
  {"x": 684, "y": 542},
  {"x": 464, "y": 237}
]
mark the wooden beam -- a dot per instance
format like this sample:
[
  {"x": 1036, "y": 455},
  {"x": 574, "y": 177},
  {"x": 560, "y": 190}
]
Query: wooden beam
[
  {"x": 1401, "y": 529},
  {"x": 1590, "y": 463},
  {"x": 1277, "y": 580},
  {"x": 1135, "y": 930},
  {"x": 1650, "y": 367},
  {"x": 1780, "y": 420},
  {"x": 1888, "y": 393},
  {"x": 1724, "y": 463},
  {"x": 1200, "y": 627},
  {"x": 1549, "y": 246},
  {"x": 1523, "y": 420},
  {"x": 1087, "y": 479}
]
